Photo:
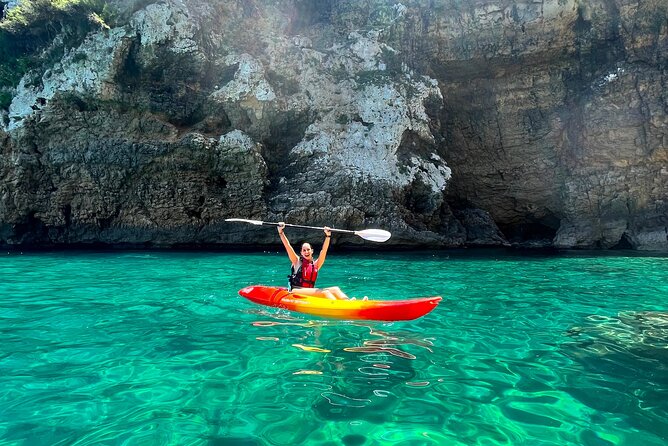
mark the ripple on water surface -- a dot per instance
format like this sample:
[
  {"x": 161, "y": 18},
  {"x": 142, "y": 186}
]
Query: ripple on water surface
[{"x": 158, "y": 348}]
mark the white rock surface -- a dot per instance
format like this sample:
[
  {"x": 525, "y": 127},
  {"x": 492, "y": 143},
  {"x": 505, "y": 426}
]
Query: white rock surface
[
  {"x": 163, "y": 23},
  {"x": 368, "y": 116},
  {"x": 249, "y": 81},
  {"x": 88, "y": 69}
]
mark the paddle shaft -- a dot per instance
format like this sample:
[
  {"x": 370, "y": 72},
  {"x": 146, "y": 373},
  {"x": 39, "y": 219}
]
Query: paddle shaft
[
  {"x": 374, "y": 235},
  {"x": 288, "y": 225}
]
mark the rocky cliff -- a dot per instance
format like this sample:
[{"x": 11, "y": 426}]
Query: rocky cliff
[{"x": 447, "y": 122}]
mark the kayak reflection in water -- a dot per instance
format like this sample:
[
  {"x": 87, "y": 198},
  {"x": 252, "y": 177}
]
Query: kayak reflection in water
[{"x": 305, "y": 269}]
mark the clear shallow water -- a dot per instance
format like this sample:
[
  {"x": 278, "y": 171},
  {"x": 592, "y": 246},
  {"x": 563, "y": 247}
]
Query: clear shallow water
[{"x": 141, "y": 348}]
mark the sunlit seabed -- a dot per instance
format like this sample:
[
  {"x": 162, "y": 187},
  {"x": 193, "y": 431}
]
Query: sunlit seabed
[{"x": 157, "y": 348}]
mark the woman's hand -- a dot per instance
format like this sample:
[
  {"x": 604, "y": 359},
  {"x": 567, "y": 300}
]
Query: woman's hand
[
  {"x": 328, "y": 231},
  {"x": 281, "y": 226}
]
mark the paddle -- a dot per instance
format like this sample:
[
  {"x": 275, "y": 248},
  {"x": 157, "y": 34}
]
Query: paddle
[{"x": 373, "y": 235}]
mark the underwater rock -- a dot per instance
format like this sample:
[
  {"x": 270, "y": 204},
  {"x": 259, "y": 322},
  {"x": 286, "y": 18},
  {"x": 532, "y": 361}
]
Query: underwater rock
[{"x": 641, "y": 334}]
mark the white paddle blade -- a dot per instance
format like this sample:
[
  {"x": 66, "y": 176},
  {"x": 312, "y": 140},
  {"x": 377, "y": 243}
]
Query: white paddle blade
[
  {"x": 374, "y": 235},
  {"x": 243, "y": 220}
]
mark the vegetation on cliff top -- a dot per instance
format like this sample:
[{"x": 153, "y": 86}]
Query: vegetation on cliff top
[{"x": 31, "y": 27}]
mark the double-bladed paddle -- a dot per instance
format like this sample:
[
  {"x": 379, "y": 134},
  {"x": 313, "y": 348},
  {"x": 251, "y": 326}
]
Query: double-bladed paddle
[{"x": 373, "y": 235}]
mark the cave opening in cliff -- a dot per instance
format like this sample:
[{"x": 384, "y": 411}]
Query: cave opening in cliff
[
  {"x": 543, "y": 230},
  {"x": 129, "y": 74},
  {"x": 31, "y": 230},
  {"x": 285, "y": 133},
  {"x": 624, "y": 243}
]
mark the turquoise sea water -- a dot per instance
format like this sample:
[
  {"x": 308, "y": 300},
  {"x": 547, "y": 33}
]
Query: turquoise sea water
[{"x": 157, "y": 348}]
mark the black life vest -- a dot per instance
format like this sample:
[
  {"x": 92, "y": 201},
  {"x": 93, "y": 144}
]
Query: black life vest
[{"x": 305, "y": 276}]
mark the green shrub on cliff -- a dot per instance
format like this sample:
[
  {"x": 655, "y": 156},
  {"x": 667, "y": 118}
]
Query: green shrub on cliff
[
  {"x": 33, "y": 16},
  {"x": 32, "y": 25}
]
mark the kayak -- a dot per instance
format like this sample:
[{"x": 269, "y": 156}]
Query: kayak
[{"x": 373, "y": 310}]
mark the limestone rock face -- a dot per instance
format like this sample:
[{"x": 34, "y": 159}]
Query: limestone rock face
[
  {"x": 448, "y": 123},
  {"x": 561, "y": 134}
]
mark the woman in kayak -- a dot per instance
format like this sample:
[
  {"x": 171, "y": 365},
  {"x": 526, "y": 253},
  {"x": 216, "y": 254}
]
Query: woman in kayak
[{"x": 305, "y": 269}]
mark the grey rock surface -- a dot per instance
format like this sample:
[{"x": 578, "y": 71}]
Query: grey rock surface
[{"x": 449, "y": 123}]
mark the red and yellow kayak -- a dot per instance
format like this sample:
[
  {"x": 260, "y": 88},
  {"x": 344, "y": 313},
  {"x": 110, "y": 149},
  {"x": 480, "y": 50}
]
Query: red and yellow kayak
[{"x": 374, "y": 310}]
